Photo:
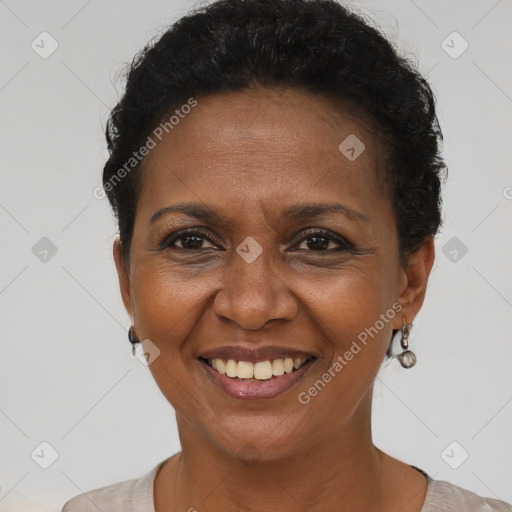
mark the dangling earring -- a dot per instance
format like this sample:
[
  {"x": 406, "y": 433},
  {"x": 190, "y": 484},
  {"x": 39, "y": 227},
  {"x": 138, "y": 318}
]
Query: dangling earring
[
  {"x": 133, "y": 340},
  {"x": 407, "y": 358}
]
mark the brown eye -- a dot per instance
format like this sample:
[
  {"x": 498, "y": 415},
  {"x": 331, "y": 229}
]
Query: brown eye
[
  {"x": 320, "y": 240},
  {"x": 189, "y": 239}
]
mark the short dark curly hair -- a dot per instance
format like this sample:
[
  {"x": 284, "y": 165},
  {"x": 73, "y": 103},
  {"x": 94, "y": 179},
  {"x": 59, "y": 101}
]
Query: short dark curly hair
[{"x": 317, "y": 46}]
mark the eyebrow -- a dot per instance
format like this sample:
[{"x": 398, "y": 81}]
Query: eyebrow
[{"x": 298, "y": 212}]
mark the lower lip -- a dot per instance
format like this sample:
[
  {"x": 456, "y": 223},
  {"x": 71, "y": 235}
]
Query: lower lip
[{"x": 256, "y": 390}]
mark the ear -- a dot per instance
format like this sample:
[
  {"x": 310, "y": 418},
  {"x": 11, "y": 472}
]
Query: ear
[
  {"x": 123, "y": 276},
  {"x": 413, "y": 282}
]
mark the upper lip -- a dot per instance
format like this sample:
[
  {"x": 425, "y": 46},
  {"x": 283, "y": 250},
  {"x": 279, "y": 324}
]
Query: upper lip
[{"x": 253, "y": 354}]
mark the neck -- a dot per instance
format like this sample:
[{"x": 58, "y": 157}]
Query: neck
[{"x": 344, "y": 469}]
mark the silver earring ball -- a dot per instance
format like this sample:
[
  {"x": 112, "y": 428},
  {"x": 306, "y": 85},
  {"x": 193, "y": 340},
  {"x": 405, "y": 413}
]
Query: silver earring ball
[{"x": 407, "y": 359}]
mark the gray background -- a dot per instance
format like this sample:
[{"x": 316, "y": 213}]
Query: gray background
[{"x": 67, "y": 374}]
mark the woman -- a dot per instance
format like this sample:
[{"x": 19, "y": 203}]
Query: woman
[{"x": 275, "y": 172}]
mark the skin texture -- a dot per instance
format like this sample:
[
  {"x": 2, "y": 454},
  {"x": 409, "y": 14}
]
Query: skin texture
[{"x": 249, "y": 155}]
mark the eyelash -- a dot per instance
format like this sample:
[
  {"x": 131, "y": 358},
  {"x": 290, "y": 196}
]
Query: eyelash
[{"x": 168, "y": 240}]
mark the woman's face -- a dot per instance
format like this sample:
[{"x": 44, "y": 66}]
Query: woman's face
[{"x": 269, "y": 272}]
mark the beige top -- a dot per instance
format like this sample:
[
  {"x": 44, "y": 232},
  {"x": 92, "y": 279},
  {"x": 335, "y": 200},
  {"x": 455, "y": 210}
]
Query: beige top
[{"x": 137, "y": 496}]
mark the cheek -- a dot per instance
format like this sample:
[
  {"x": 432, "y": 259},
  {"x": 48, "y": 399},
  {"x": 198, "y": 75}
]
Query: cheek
[
  {"x": 354, "y": 312},
  {"x": 167, "y": 301},
  {"x": 344, "y": 305},
  {"x": 354, "y": 315},
  {"x": 168, "y": 306}
]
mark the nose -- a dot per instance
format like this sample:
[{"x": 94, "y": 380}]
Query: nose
[{"x": 253, "y": 294}]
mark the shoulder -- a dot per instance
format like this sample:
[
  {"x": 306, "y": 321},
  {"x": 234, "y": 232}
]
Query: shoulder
[
  {"x": 112, "y": 497},
  {"x": 134, "y": 495},
  {"x": 443, "y": 496}
]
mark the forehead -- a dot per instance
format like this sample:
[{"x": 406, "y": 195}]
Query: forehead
[{"x": 264, "y": 147}]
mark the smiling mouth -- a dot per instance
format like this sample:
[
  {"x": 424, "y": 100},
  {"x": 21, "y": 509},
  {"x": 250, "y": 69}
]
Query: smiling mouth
[{"x": 257, "y": 371}]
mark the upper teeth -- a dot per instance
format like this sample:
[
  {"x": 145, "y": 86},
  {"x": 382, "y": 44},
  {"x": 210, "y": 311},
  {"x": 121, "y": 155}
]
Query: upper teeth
[{"x": 261, "y": 370}]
